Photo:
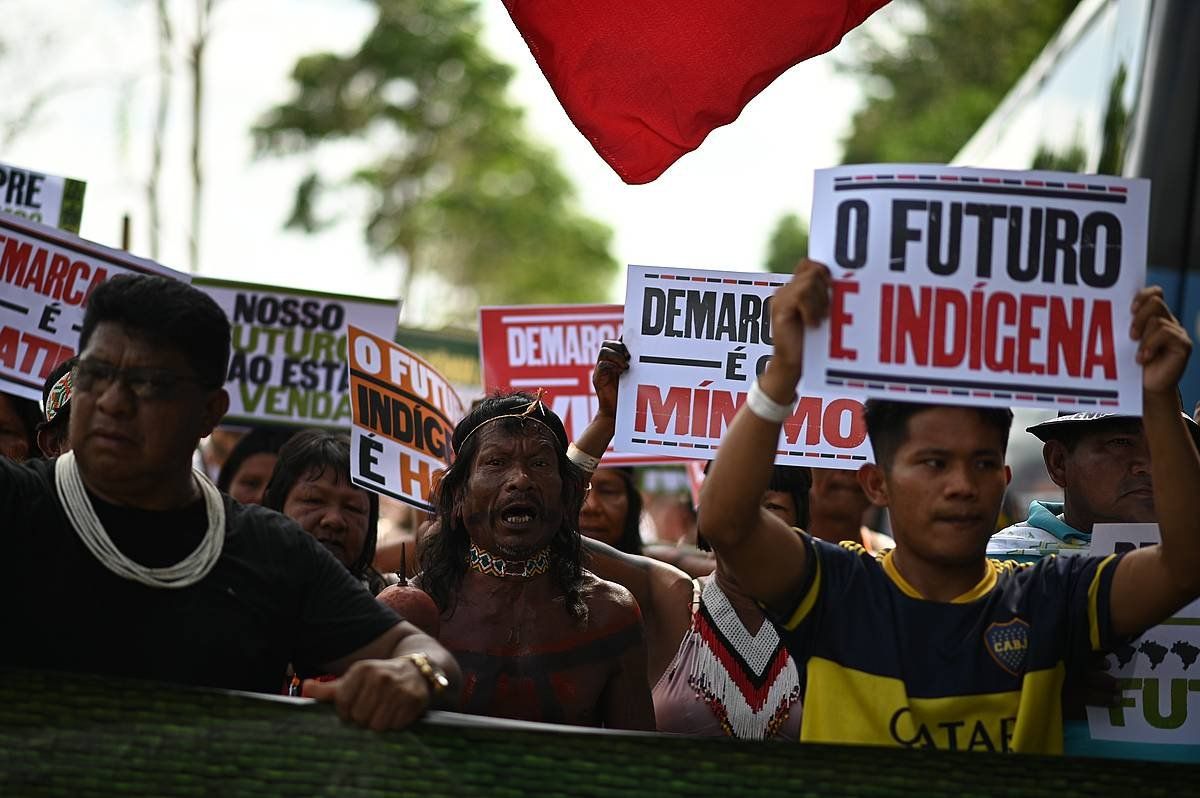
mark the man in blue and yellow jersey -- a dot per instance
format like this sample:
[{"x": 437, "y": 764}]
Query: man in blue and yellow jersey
[{"x": 935, "y": 645}]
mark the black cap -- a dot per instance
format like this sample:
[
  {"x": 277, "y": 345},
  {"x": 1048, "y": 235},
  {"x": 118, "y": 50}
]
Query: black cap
[{"x": 1052, "y": 428}]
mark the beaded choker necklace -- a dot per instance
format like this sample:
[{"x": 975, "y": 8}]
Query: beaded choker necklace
[{"x": 485, "y": 563}]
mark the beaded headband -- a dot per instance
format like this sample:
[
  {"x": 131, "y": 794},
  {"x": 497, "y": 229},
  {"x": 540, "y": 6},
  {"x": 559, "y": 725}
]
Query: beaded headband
[
  {"x": 58, "y": 397},
  {"x": 526, "y": 414}
]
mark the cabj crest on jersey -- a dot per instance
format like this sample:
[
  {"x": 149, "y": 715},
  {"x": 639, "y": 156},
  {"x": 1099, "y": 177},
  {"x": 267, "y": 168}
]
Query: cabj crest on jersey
[{"x": 1007, "y": 643}]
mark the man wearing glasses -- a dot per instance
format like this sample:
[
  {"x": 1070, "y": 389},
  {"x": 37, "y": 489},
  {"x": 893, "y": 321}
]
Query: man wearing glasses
[{"x": 125, "y": 561}]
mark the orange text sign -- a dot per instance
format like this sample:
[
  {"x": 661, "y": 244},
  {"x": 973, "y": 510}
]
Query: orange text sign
[{"x": 404, "y": 414}]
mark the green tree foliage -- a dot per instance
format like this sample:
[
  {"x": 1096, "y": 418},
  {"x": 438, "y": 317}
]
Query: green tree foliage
[
  {"x": 788, "y": 244},
  {"x": 1116, "y": 126},
  {"x": 928, "y": 93},
  {"x": 456, "y": 186},
  {"x": 1073, "y": 159},
  {"x": 1114, "y": 132}
]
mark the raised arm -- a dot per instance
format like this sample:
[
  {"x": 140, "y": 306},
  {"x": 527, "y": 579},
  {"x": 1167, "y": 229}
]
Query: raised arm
[
  {"x": 663, "y": 592},
  {"x": 611, "y": 362},
  {"x": 1152, "y": 583},
  {"x": 766, "y": 558}
]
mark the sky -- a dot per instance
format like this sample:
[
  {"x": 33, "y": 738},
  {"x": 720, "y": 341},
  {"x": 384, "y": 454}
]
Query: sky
[{"x": 714, "y": 208}]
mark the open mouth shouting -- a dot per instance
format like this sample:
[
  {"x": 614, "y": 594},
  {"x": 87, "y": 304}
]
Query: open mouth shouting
[{"x": 518, "y": 516}]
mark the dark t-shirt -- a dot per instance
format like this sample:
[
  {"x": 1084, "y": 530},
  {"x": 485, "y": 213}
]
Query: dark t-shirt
[{"x": 275, "y": 595}]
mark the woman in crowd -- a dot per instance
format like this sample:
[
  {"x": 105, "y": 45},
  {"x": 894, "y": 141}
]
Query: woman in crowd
[
  {"x": 717, "y": 665},
  {"x": 311, "y": 485},
  {"x": 612, "y": 514},
  {"x": 248, "y": 467},
  {"x": 19, "y": 419},
  {"x": 612, "y": 511},
  {"x": 732, "y": 674}
]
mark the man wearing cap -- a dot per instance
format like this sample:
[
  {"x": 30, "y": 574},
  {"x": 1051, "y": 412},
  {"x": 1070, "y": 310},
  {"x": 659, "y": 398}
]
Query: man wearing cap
[
  {"x": 538, "y": 637},
  {"x": 1102, "y": 463}
]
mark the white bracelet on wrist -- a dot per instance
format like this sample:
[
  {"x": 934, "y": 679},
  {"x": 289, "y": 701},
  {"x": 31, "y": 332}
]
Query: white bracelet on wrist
[
  {"x": 767, "y": 408},
  {"x": 582, "y": 459}
]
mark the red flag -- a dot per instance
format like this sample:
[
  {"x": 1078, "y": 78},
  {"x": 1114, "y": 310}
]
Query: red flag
[{"x": 646, "y": 80}]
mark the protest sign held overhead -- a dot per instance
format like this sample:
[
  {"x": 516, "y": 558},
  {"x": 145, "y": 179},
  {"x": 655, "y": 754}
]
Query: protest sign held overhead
[
  {"x": 980, "y": 287},
  {"x": 288, "y": 364},
  {"x": 697, "y": 341},
  {"x": 524, "y": 348},
  {"x": 46, "y": 199},
  {"x": 404, "y": 417},
  {"x": 1158, "y": 674},
  {"x": 46, "y": 277}
]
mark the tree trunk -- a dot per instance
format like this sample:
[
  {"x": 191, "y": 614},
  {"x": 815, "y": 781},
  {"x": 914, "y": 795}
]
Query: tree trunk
[
  {"x": 165, "y": 75},
  {"x": 204, "y": 10}
]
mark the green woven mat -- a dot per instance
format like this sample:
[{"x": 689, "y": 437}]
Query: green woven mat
[{"x": 73, "y": 736}]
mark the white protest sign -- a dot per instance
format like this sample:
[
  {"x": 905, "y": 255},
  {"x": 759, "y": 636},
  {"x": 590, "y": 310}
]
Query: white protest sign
[
  {"x": 697, "y": 341},
  {"x": 1159, "y": 673},
  {"x": 48, "y": 199},
  {"x": 288, "y": 364},
  {"x": 46, "y": 277},
  {"x": 979, "y": 287},
  {"x": 404, "y": 417}
]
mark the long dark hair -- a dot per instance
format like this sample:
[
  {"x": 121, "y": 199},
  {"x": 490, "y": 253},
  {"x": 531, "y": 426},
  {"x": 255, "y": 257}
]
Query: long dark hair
[
  {"x": 27, "y": 411},
  {"x": 444, "y": 551},
  {"x": 260, "y": 440},
  {"x": 312, "y": 451},
  {"x": 631, "y": 531},
  {"x": 796, "y": 481}
]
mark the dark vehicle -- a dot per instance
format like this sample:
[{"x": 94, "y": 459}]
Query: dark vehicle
[{"x": 1117, "y": 92}]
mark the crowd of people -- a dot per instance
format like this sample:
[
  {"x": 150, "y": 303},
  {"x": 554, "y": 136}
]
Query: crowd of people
[{"x": 788, "y": 619}]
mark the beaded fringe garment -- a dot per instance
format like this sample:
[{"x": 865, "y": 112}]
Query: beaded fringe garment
[{"x": 748, "y": 681}]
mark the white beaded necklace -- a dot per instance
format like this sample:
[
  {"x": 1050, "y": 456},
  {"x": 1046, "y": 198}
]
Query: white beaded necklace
[{"x": 188, "y": 571}]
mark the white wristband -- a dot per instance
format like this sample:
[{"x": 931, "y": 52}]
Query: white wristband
[
  {"x": 582, "y": 459},
  {"x": 767, "y": 408}
]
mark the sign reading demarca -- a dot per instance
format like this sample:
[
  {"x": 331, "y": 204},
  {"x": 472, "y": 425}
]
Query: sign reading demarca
[
  {"x": 38, "y": 197},
  {"x": 1158, "y": 674},
  {"x": 981, "y": 287},
  {"x": 404, "y": 417},
  {"x": 698, "y": 339},
  {"x": 524, "y": 348},
  {"x": 46, "y": 277},
  {"x": 288, "y": 364}
]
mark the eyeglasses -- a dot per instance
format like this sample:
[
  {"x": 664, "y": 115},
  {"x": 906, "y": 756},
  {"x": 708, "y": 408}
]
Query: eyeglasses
[{"x": 95, "y": 376}]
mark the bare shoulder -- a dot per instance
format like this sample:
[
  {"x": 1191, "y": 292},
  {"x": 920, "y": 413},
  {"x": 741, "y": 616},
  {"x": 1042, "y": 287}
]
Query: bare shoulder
[{"x": 608, "y": 602}]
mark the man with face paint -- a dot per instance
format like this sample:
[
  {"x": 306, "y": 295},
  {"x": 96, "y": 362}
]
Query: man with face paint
[{"x": 538, "y": 637}]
